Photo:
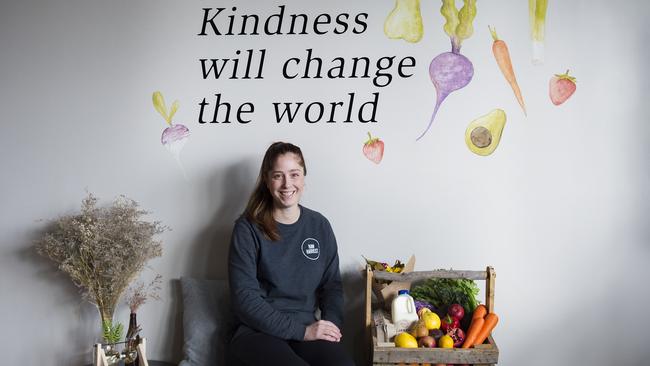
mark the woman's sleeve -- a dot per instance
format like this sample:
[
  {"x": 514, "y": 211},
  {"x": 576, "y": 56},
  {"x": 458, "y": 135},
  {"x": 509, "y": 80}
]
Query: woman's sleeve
[
  {"x": 331, "y": 290},
  {"x": 246, "y": 294}
]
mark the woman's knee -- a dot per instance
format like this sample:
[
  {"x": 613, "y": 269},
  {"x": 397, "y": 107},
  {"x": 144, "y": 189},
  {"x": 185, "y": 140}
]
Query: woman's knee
[
  {"x": 323, "y": 353},
  {"x": 262, "y": 349}
]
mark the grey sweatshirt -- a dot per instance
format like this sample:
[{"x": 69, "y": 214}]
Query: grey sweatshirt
[{"x": 276, "y": 287}]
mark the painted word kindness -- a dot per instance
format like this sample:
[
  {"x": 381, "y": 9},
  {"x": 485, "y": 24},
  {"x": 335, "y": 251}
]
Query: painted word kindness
[{"x": 295, "y": 67}]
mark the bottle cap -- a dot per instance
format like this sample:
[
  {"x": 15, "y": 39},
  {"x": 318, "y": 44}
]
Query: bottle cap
[{"x": 402, "y": 292}]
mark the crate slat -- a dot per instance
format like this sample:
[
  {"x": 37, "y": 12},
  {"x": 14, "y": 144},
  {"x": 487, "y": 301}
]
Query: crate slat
[
  {"x": 435, "y": 355},
  {"x": 489, "y": 289},
  {"x": 423, "y": 275}
]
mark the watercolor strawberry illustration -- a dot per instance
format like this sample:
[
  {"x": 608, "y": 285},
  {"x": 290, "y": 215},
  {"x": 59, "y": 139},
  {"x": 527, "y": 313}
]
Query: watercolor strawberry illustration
[
  {"x": 373, "y": 149},
  {"x": 561, "y": 87}
]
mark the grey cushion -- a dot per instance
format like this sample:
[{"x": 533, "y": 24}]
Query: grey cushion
[{"x": 206, "y": 321}]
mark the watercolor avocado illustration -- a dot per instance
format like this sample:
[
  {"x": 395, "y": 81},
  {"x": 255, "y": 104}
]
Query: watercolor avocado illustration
[{"x": 484, "y": 133}]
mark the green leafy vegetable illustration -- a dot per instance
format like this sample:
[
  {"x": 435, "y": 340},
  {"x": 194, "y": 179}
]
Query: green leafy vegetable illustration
[{"x": 537, "y": 17}]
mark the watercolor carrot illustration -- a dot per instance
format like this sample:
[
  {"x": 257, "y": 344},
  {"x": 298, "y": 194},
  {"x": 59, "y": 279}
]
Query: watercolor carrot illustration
[
  {"x": 502, "y": 56},
  {"x": 450, "y": 71}
]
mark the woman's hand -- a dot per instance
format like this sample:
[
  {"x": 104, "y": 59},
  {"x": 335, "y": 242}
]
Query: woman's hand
[{"x": 324, "y": 330}]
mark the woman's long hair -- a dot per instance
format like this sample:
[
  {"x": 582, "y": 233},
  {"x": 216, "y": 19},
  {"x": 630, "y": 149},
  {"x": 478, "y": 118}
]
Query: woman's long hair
[{"x": 259, "y": 209}]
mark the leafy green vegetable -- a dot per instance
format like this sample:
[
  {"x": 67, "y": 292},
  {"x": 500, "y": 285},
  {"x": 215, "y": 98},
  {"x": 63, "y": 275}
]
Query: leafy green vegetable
[{"x": 442, "y": 292}]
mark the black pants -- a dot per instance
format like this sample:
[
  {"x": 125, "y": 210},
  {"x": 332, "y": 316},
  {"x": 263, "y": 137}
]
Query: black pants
[{"x": 259, "y": 349}]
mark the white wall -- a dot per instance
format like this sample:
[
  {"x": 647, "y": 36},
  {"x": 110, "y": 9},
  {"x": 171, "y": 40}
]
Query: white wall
[{"x": 560, "y": 209}]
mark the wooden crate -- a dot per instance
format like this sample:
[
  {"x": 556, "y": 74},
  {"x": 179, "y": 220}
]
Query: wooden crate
[{"x": 383, "y": 353}]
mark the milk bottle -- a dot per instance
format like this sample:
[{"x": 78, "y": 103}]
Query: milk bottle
[{"x": 403, "y": 311}]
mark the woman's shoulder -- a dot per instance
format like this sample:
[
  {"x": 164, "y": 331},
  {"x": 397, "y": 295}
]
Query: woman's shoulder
[
  {"x": 245, "y": 228},
  {"x": 242, "y": 219},
  {"x": 243, "y": 223},
  {"x": 312, "y": 214},
  {"x": 314, "y": 217}
]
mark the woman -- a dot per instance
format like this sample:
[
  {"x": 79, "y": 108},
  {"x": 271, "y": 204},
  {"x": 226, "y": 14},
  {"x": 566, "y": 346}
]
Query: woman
[{"x": 283, "y": 265}]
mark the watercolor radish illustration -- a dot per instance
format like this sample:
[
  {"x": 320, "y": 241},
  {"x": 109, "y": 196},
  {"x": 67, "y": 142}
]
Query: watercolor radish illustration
[
  {"x": 174, "y": 136},
  {"x": 561, "y": 87},
  {"x": 502, "y": 56},
  {"x": 373, "y": 149},
  {"x": 450, "y": 71}
]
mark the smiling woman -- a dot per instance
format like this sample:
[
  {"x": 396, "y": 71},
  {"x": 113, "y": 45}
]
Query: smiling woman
[
  {"x": 286, "y": 182},
  {"x": 283, "y": 265},
  {"x": 283, "y": 163}
]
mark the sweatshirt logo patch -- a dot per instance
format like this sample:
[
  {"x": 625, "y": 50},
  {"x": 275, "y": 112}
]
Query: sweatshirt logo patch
[{"x": 311, "y": 248}]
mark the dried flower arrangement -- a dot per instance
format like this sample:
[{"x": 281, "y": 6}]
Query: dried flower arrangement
[
  {"x": 138, "y": 294},
  {"x": 103, "y": 249}
]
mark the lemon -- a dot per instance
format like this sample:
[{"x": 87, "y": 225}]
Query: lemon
[
  {"x": 431, "y": 320},
  {"x": 423, "y": 310},
  {"x": 405, "y": 340},
  {"x": 446, "y": 342}
]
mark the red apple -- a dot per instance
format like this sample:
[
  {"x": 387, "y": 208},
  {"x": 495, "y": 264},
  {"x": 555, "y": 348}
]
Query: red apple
[{"x": 456, "y": 311}]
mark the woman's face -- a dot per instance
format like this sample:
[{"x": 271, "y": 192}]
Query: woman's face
[{"x": 286, "y": 181}]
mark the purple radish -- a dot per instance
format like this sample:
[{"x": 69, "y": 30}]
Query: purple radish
[
  {"x": 449, "y": 72},
  {"x": 174, "y": 136}
]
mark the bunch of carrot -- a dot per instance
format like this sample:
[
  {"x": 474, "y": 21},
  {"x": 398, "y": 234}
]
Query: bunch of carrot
[{"x": 480, "y": 327}]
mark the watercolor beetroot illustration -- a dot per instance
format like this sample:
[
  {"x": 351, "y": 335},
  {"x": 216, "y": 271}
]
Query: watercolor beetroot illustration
[
  {"x": 451, "y": 71},
  {"x": 175, "y": 135}
]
